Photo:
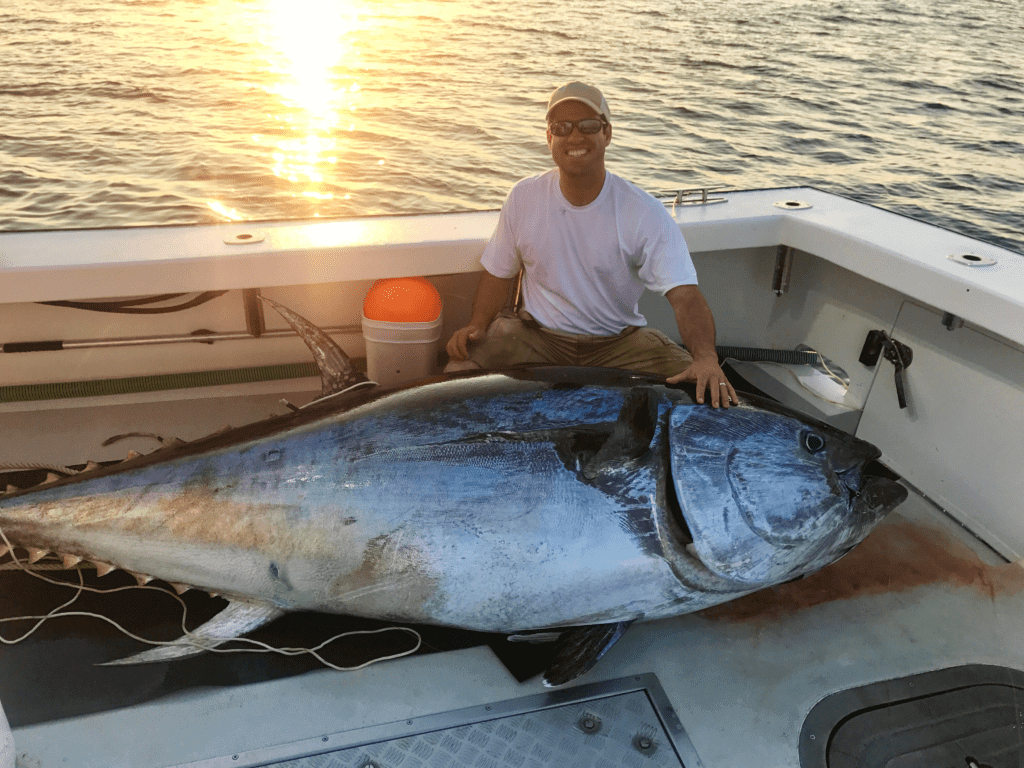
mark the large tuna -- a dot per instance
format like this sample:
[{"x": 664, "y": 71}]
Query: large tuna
[{"x": 501, "y": 502}]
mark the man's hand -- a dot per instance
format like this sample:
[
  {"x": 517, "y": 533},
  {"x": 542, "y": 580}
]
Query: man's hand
[
  {"x": 709, "y": 375},
  {"x": 457, "y": 344},
  {"x": 697, "y": 330},
  {"x": 491, "y": 293}
]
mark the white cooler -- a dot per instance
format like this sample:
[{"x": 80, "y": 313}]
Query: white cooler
[{"x": 398, "y": 353}]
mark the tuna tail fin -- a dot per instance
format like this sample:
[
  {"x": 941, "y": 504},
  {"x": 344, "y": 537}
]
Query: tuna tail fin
[
  {"x": 336, "y": 371},
  {"x": 239, "y": 617},
  {"x": 578, "y": 650}
]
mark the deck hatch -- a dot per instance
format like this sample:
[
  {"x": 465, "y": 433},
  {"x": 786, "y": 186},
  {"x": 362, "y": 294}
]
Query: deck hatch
[
  {"x": 952, "y": 717},
  {"x": 625, "y": 722}
]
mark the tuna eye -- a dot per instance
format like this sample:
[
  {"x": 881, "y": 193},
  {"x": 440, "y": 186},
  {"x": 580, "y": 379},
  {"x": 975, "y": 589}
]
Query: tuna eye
[{"x": 813, "y": 442}]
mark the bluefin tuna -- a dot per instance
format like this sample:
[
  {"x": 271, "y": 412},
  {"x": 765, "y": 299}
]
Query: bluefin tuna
[{"x": 545, "y": 498}]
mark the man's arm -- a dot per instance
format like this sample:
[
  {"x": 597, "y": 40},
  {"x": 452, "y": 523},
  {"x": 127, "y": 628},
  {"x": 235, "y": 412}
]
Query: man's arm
[
  {"x": 697, "y": 330},
  {"x": 491, "y": 294}
]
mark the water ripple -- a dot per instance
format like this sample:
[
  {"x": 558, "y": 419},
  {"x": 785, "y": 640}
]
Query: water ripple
[{"x": 114, "y": 118}]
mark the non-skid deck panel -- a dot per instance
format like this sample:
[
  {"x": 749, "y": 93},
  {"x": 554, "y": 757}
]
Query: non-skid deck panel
[
  {"x": 626, "y": 722},
  {"x": 965, "y": 715}
]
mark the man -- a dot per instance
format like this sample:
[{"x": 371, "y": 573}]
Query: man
[{"x": 588, "y": 243}]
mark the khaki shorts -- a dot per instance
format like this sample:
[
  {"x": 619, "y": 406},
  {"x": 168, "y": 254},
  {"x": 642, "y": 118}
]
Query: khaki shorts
[{"x": 520, "y": 340}]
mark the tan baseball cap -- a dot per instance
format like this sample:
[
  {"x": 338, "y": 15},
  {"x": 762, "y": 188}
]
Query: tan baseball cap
[{"x": 577, "y": 91}]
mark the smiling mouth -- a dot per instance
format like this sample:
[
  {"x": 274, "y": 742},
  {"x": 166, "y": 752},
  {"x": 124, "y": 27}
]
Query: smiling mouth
[{"x": 577, "y": 152}]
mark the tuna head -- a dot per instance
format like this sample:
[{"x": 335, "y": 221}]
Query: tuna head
[{"x": 769, "y": 496}]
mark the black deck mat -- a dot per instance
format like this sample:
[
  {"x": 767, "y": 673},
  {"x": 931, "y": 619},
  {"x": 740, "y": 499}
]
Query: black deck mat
[
  {"x": 54, "y": 674},
  {"x": 970, "y": 716}
]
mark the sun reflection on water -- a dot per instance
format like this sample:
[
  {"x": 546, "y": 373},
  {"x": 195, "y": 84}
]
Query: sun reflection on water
[
  {"x": 228, "y": 213},
  {"x": 313, "y": 52},
  {"x": 311, "y": 65}
]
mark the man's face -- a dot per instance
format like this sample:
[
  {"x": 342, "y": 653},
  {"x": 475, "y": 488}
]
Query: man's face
[{"x": 577, "y": 154}]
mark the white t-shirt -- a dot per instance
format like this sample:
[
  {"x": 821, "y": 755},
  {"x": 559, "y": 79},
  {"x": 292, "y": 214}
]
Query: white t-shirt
[{"x": 587, "y": 267}]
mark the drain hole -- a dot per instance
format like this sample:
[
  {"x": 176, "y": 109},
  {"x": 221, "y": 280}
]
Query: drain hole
[{"x": 972, "y": 259}]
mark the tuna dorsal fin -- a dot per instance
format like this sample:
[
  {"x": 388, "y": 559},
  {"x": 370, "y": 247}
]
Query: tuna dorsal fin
[
  {"x": 336, "y": 371},
  {"x": 632, "y": 434},
  {"x": 239, "y": 617},
  {"x": 579, "y": 649}
]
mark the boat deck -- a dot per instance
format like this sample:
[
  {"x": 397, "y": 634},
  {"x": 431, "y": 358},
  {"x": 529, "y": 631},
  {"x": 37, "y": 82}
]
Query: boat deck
[{"x": 918, "y": 595}]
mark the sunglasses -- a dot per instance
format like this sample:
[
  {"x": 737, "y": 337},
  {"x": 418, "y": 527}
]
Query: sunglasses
[{"x": 587, "y": 125}]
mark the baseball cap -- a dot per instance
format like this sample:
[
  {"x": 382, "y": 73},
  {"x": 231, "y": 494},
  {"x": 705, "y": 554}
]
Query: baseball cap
[{"x": 577, "y": 91}]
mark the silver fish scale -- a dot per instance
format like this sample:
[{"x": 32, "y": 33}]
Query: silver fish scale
[{"x": 539, "y": 739}]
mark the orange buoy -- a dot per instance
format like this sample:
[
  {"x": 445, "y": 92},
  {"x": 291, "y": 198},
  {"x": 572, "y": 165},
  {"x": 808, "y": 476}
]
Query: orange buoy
[{"x": 402, "y": 300}]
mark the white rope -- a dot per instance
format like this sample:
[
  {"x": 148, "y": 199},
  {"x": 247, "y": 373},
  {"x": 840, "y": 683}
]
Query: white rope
[{"x": 188, "y": 637}]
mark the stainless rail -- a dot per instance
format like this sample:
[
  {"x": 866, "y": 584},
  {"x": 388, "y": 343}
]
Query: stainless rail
[{"x": 135, "y": 341}]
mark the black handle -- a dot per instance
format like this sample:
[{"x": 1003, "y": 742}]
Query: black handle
[{"x": 33, "y": 346}]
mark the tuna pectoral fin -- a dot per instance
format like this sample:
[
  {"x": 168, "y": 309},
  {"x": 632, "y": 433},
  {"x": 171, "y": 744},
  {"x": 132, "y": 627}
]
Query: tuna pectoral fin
[
  {"x": 238, "y": 618},
  {"x": 580, "y": 649},
  {"x": 632, "y": 434}
]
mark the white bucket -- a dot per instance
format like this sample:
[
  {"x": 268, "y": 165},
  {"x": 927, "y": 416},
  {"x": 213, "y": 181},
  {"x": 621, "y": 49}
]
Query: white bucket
[{"x": 397, "y": 353}]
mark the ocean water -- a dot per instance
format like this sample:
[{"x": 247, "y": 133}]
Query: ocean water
[{"x": 141, "y": 112}]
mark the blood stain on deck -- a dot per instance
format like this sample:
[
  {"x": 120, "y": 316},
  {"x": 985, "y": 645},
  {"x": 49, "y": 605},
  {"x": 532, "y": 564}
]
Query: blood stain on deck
[{"x": 897, "y": 557}]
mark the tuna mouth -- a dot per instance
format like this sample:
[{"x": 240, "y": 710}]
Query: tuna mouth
[
  {"x": 879, "y": 497},
  {"x": 852, "y": 482},
  {"x": 872, "y": 488},
  {"x": 851, "y": 457}
]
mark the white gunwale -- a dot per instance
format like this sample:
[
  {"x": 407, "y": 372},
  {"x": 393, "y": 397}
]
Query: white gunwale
[{"x": 904, "y": 254}]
